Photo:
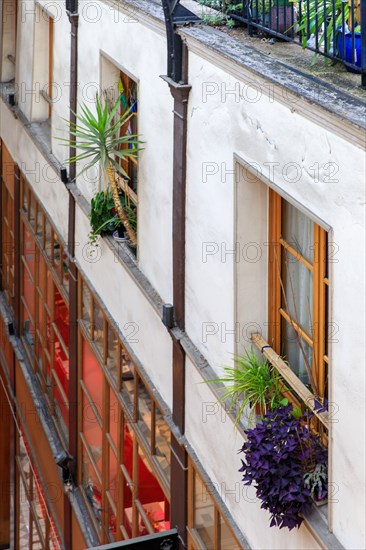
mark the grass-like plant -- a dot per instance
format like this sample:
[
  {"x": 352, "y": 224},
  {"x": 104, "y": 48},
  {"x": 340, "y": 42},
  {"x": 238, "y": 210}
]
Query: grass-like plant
[
  {"x": 103, "y": 216},
  {"x": 251, "y": 382},
  {"x": 98, "y": 139}
]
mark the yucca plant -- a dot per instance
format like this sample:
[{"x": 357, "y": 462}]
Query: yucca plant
[
  {"x": 251, "y": 382},
  {"x": 98, "y": 139}
]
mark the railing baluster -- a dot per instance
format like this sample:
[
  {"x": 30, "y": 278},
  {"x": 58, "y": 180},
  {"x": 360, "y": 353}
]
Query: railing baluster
[
  {"x": 325, "y": 26},
  {"x": 363, "y": 44}
]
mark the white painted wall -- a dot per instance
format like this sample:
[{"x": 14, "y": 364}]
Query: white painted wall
[
  {"x": 263, "y": 132},
  {"x": 136, "y": 318},
  {"x": 117, "y": 35},
  {"x": 216, "y": 442},
  {"x": 41, "y": 175},
  {"x": 8, "y": 39}
]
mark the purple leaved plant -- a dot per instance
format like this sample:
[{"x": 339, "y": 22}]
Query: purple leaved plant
[{"x": 278, "y": 453}]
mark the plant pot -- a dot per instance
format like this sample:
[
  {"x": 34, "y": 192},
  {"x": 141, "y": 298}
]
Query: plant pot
[
  {"x": 127, "y": 240},
  {"x": 118, "y": 237},
  {"x": 345, "y": 41},
  {"x": 320, "y": 502}
]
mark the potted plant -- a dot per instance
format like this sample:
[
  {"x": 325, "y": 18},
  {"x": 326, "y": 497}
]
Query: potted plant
[
  {"x": 99, "y": 141},
  {"x": 285, "y": 462},
  {"x": 321, "y": 18},
  {"x": 253, "y": 383},
  {"x": 351, "y": 53},
  {"x": 104, "y": 219}
]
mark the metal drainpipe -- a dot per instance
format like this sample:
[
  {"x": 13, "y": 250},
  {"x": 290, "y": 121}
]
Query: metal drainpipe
[
  {"x": 72, "y": 11},
  {"x": 177, "y": 79},
  {"x": 179, "y": 459}
]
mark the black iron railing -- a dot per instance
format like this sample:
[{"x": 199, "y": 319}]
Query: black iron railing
[{"x": 335, "y": 29}]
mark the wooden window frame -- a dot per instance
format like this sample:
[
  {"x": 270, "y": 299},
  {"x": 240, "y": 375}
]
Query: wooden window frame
[
  {"x": 48, "y": 96},
  {"x": 30, "y": 489},
  {"x": 194, "y": 540},
  {"x": 320, "y": 283},
  {"x": 29, "y": 220},
  {"x": 126, "y": 416},
  {"x": 7, "y": 226}
]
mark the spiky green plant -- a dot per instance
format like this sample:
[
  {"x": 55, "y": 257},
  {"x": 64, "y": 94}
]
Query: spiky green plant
[
  {"x": 251, "y": 382},
  {"x": 98, "y": 139}
]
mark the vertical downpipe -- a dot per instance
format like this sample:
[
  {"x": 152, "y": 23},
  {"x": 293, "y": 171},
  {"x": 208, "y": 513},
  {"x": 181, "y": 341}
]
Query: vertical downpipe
[
  {"x": 179, "y": 463},
  {"x": 72, "y": 6},
  {"x": 16, "y": 303}
]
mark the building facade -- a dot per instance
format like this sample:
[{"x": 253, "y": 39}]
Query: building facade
[{"x": 108, "y": 430}]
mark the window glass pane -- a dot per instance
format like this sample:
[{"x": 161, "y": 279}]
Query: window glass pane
[
  {"x": 86, "y": 305},
  {"x": 98, "y": 328},
  {"x": 144, "y": 411},
  {"x": 92, "y": 487},
  {"x": 227, "y": 541},
  {"x": 24, "y": 196},
  {"x": 112, "y": 352},
  {"x": 162, "y": 443},
  {"x": 28, "y": 292},
  {"x": 50, "y": 289},
  {"x": 29, "y": 249},
  {"x": 65, "y": 271},
  {"x": 113, "y": 417},
  {"x": 127, "y": 509},
  {"x": 291, "y": 351},
  {"x": 298, "y": 284},
  {"x": 32, "y": 211},
  {"x": 204, "y": 513},
  {"x": 42, "y": 270},
  {"x": 39, "y": 227},
  {"x": 28, "y": 331},
  {"x": 61, "y": 371},
  {"x": 92, "y": 433},
  {"x": 112, "y": 525},
  {"x": 127, "y": 374},
  {"x": 57, "y": 255},
  {"x": 113, "y": 473},
  {"x": 298, "y": 231},
  {"x": 152, "y": 496},
  {"x": 92, "y": 377},
  {"x": 48, "y": 239},
  {"x": 61, "y": 316},
  {"x": 127, "y": 451}
]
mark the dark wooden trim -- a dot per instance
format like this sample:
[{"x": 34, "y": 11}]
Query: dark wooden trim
[
  {"x": 1, "y": 214},
  {"x": 179, "y": 379},
  {"x": 180, "y": 93},
  {"x": 17, "y": 249},
  {"x": 73, "y": 290},
  {"x": 179, "y": 490},
  {"x": 179, "y": 471}
]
